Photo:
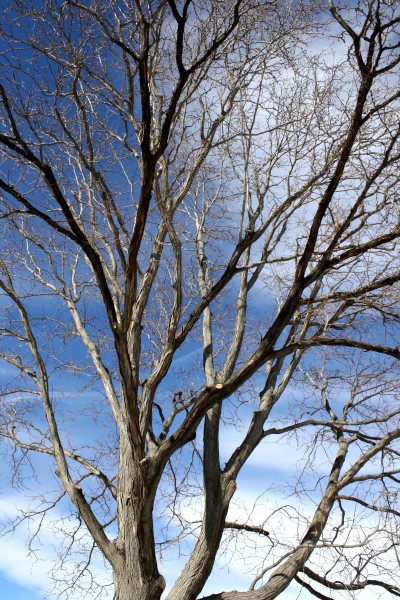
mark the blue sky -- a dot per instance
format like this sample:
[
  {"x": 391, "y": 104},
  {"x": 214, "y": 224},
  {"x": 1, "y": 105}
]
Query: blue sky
[
  {"x": 22, "y": 577},
  {"x": 11, "y": 590}
]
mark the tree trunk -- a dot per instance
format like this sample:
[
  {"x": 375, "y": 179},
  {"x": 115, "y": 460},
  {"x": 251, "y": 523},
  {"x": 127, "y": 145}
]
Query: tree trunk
[
  {"x": 136, "y": 576},
  {"x": 128, "y": 587}
]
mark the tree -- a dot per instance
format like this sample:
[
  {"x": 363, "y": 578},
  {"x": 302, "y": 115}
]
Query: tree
[{"x": 200, "y": 208}]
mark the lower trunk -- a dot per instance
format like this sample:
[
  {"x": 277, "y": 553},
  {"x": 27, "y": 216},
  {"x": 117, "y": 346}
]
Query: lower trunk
[
  {"x": 136, "y": 575},
  {"x": 128, "y": 586}
]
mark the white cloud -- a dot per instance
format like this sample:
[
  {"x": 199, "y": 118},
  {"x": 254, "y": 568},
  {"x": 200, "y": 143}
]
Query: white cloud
[{"x": 32, "y": 567}]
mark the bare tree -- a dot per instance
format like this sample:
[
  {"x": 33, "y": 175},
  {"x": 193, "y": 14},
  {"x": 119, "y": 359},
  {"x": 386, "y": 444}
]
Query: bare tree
[{"x": 200, "y": 218}]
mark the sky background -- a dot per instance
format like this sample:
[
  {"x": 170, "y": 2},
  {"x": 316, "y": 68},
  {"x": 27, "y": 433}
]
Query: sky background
[{"x": 26, "y": 577}]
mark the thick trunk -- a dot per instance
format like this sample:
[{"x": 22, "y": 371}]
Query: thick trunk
[
  {"x": 136, "y": 576},
  {"x": 128, "y": 587}
]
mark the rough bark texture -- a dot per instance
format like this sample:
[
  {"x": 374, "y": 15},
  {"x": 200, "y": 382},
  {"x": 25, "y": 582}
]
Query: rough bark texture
[{"x": 136, "y": 573}]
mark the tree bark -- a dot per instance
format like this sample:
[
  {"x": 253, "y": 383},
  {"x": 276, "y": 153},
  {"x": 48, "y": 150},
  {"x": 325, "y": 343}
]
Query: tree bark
[{"x": 136, "y": 575}]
